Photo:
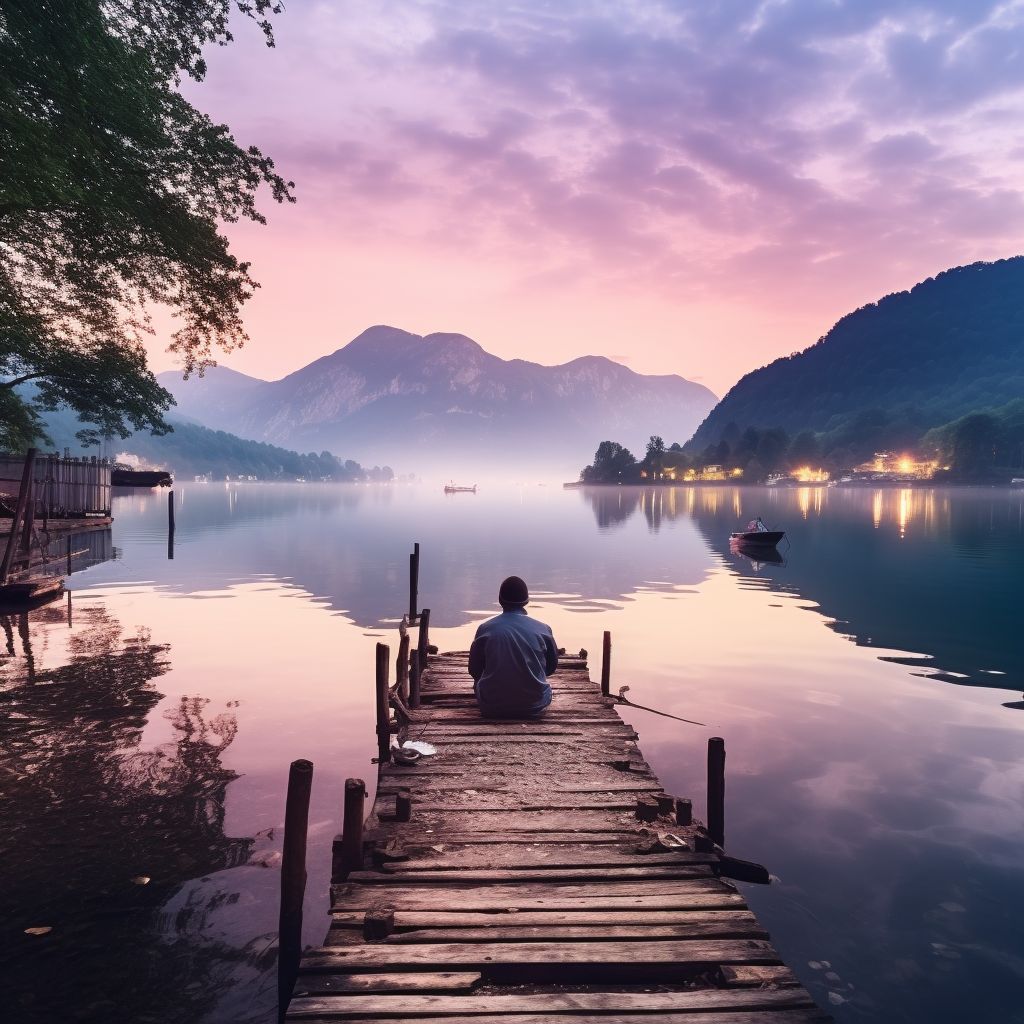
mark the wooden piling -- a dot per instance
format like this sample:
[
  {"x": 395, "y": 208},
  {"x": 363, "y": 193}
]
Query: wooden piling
[
  {"x": 402, "y": 668},
  {"x": 30, "y": 517},
  {"x": 69, "y": 555},
  {"x": 170, "y": 525},
  {"x": 347, "y": 852},
  {"x": 383, "y": 704},
  {"x": 414, "y": 679},
  {"x": 19, "y": 514},
  {"x": 423, "y": 642},
  {"x": 293, "y": 879},
  {"x": 716, "y": 790},
  {"x": 414, "y": 582},
  {"x": 684, "y": 811},
  {"x": 403, "y": 805},
  {"x": 606, "y": 664}
]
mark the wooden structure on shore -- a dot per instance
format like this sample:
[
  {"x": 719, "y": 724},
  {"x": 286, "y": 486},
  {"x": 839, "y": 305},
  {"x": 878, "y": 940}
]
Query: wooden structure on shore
[
  {"x": 61, "y": 487},
  {"x": 529, "y": 871},
  {"x": 75, "y": 490}
]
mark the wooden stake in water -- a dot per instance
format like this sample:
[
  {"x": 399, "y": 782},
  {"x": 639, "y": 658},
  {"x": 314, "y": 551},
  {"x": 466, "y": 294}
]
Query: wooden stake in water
[
  {"x": 383, "y": 704},
  {"x": 402, "y": 668},
  {"x": 348, "y": 847},
  {"x": 293, "y": 880},
  {"x": 716, "y": 790},
  {"x": 414, "y": 679},
  {"x": 170, "y": 524},
  {"x": 606, "y": 664},
  {"x": 414, "y": 582}
]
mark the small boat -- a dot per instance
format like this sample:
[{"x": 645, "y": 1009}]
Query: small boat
[
  {"x": 125, "y": 476},
  {"x": 757, "y": 535},
  {"x": 452, "y": 489}
]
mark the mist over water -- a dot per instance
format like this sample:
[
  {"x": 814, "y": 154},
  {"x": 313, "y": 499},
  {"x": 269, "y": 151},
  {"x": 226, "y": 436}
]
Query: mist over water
[{"x": 859, "y": 684}]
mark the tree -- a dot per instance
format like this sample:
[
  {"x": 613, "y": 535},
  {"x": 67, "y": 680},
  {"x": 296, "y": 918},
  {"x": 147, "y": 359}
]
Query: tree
[
  {"x": 655, "y": 456},
  {"x": 612, "y": 464},
  {"x": 112, "y": 187},
  {"x": 771, "y": 448},
  {"x": 974, "y": 441},
  {"x": 804, "y": 450}
]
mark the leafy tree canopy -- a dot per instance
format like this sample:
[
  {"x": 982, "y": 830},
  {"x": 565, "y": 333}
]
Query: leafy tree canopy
[
  {"x": 612, "y": 464},
  {"x": 112, "y": 187}
]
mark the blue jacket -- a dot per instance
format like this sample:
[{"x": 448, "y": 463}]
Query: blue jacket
[{"x": 511, "y": 658}]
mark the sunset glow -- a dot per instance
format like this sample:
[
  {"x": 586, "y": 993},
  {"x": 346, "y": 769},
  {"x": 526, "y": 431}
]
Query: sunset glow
[{"x": 692, "y": 189}]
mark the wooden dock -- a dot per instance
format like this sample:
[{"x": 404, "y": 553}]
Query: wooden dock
[{"x": 528, "y": 872}]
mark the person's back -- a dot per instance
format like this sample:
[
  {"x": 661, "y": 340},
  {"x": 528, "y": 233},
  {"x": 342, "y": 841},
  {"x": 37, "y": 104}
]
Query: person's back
[{"x": 511, "y": 658}]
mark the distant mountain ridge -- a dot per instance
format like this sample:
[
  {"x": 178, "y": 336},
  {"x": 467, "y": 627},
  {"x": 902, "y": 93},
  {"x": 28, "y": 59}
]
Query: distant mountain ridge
[
  {"x": 441, "y": 397},
  {"x": 888, "y": 372}
]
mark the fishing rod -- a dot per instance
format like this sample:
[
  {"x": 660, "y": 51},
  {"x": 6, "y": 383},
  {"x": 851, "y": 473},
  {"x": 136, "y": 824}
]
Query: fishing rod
[{"x": 622, "y": 699}]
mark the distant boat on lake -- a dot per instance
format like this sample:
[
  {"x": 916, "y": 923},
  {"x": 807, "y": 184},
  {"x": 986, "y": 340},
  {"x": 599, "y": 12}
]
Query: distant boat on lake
[
  {"x": 454, "y": 489},
  {"x": 757, "y": 535}
]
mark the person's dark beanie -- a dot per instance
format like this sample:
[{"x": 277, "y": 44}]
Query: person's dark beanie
[{"x": 513, "y": 592}]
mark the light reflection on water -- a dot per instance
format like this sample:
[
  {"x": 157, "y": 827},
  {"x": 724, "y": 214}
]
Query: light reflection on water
[{"x": 859, "y": 685}]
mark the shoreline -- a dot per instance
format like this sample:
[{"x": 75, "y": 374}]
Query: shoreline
[{"x": 859, "y": 485}]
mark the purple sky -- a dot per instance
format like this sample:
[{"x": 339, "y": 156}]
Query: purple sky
[{"x": 690, "y": 188}]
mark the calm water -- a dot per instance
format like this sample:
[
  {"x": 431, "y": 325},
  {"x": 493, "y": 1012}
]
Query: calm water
[{"x": 860, "y": 686}]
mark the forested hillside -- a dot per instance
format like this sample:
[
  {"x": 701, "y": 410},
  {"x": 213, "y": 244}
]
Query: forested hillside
[
  {"x": 887, "y": 373},
  {"x": 191, "y": 450}
]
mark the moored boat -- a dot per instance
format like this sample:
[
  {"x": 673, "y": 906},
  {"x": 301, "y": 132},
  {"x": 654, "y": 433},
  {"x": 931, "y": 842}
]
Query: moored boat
[
  {"x": 757, "y": 535},
  {"x": 124, "y": 476},
  {"x": 453, "y": 489}
]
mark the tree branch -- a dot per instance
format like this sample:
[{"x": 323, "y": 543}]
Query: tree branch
[{"x": 14, "y": 382}]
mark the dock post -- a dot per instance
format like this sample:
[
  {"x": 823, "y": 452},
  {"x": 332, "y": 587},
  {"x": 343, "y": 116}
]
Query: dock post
[
  {"x": 30, "y": 520},
  {"x": 69, "y": 554},
  {"x": 170, "y": 524},
  {"x": 402, "y": 668},
  {"x": 716, "y": 790},
  {"x": 293, "y": 880},
  {"x": 383, "y": 704},
  {"x": 19, "y": 513},
  {"x": 423, "y": 641},
  {"x": 414, "y": 679},
  {"x": 347, "y": 853},
  {"x": 606, "y": 664},
  {"x": 414, "y": 582}
]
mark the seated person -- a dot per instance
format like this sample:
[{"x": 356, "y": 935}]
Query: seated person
[{"x": 511, "y": 658}]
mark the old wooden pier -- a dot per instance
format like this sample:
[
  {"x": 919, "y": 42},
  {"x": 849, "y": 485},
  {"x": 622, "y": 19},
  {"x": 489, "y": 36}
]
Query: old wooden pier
[{"x": 529, "y": 871}]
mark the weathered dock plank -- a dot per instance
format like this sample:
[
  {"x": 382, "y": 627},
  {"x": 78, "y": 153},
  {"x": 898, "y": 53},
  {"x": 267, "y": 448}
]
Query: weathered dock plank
[{"x": 534, "y": 871}]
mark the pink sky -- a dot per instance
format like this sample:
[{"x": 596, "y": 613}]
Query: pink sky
[{"x": 688, "y": 188}]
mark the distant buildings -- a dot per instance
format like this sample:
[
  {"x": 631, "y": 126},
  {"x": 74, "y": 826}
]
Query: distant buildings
[{"x": 894, "y": 466}]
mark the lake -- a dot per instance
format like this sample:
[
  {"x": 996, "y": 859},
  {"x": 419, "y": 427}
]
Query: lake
[{"x": 864, "y": 688}]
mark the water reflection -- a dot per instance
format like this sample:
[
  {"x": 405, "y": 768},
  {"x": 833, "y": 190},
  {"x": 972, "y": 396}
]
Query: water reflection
[
  {"x": 99, "y": 829},
  {"x": 890, "y": 568},
  {"x": 883, "y": 800}
]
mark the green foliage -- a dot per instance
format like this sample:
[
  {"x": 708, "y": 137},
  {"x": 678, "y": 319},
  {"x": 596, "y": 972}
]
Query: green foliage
[
  {"x": 984, "y": 445},
  {"x": 112, "y": 188},
  {"x": 612, "y": 464},
  {"x": 890, "y": 371}
]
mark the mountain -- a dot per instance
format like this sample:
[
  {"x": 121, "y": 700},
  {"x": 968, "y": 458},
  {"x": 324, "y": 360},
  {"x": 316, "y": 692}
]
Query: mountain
[
  {"x": 441, "y": 400},
  {"x": 888, "y": 372}
]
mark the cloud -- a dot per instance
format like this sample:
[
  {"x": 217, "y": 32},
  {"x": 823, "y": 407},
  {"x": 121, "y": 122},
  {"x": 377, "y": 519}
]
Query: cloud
[{"x": 681, "y": 148}]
